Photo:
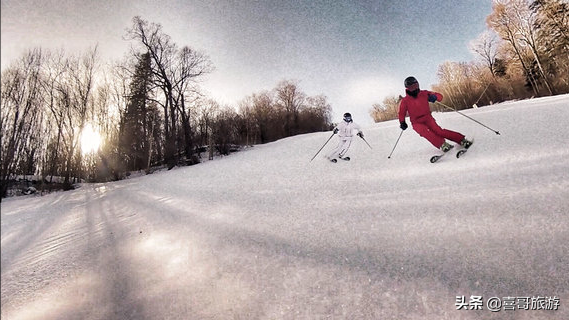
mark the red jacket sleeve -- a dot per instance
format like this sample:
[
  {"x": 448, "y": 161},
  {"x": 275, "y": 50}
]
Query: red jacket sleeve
[{"x": 402, "y": 110}]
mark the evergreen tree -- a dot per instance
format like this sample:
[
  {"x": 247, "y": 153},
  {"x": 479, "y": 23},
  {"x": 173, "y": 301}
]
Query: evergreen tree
[{"x": 135, "y": 124}]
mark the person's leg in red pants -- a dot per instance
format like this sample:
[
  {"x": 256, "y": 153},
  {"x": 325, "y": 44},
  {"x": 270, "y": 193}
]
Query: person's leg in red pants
[{"x": 430, "y": 130}]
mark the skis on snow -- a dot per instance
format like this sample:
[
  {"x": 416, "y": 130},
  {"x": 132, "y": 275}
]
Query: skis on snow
[
  {"x": 437, "y": 157},
  {"x": 459, "y": 153},
  {"x": 344, "y": 158}
]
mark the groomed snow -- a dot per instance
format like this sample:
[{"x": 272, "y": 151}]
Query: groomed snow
[{"x": 267, "y": 234}]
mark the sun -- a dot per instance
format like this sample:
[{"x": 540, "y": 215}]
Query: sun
[{"x": 90, "y": 140}]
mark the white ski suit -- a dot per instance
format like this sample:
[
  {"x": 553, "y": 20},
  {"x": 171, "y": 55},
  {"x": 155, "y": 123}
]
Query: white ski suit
[{"x": 345, "y": 134}]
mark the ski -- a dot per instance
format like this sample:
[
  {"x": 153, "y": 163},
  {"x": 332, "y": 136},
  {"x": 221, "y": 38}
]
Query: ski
[
  {"x": 462, "y": 151},
  {"x": 336, "y": 160},
  {"x": 459, "y": 153},
  {"x": 437, "y": 157}
]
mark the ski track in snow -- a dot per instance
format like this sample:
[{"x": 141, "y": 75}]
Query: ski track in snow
[{"x": 267, "y": 234}]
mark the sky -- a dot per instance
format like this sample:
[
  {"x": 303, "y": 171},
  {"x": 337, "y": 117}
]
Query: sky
[{"x": 354, "y": 52}]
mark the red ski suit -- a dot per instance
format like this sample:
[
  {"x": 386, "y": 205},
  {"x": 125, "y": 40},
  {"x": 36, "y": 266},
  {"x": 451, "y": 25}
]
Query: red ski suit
[{"x": 422, "y": 120}]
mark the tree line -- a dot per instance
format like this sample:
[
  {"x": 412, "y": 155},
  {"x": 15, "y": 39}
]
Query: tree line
[
  {"x": 524, "y": 53},
  {"x": 148, "y": 109}
]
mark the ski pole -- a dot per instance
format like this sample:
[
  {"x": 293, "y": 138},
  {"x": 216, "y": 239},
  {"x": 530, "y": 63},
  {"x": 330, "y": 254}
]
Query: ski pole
[
  {"x": 366, "y": 142},
  {"x": 322, "y": 147},
  {"x": 480, "y": 123},
  {"x": 396, "y": 142}
]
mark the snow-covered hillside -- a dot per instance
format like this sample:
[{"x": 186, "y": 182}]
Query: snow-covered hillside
[{"x": 267, "y": 234}]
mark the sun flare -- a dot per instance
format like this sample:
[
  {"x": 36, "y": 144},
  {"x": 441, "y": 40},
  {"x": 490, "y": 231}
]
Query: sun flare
[{"x": 90, "y": 139}]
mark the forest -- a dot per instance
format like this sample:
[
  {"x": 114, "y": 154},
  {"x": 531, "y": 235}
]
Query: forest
[
  {"x": 523, "y": 53},
  {"x": 148, "y": 111}
]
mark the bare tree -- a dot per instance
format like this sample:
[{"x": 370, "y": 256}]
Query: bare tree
[
  {"x": 192, "y": 66},
  {"x": 207, "y": 112},
  {"x": 316, "y": 114},
  {"x": 76, "y": 101},
  {"x": 291, "y": 100},
  {"x": 263, "y": 111},
  {"x": 454, "y": 78},
  {"x": 250, "y": 128},
  {"x": 527, "y": 19},
  {"x": 388, "y": 110},
  {"x": 162, "y": 50},
  {"x": 173, "y": 70},
  {"x": 552, "y": 28},
  {"x": 486, "y": 46},
  {"x": 513, "y": 21},
  {"x": 21, "y": 110},
  {"x": 225, "y": 130},
  {"x": 54, "y": 70}
]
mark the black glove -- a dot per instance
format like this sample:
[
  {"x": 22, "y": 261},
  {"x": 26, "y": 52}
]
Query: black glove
[
  {"x": 403, "y": 125},
  {"x": 361, "y": 134},
  {"x": 432, "y": 98},
  {"x": 336, "y": 130}
]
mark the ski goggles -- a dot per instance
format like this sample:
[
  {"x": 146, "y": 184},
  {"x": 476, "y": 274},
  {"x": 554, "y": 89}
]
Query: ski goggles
[{"x": 413, "y": 87}]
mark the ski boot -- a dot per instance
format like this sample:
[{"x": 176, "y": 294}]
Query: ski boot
[
  {"x": 465, "y": 143},
  {"x": 446, "y": 147}
]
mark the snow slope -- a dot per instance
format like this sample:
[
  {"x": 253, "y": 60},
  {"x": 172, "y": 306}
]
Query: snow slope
[{"x": 267, "y": 234}]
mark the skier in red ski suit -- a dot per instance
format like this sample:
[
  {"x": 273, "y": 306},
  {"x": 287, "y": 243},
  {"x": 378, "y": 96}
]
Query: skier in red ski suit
[{"x": 416, "y": 103}]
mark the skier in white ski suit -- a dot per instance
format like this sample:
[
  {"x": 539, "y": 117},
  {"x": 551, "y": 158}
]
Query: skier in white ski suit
[{"x": 345, "y": 131}]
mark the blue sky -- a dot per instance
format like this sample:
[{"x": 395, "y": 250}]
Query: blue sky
[{"x": 354, "y": 52}]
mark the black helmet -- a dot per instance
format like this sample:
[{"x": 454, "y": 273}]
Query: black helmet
[
  {"x": 347, "y": 117},
  {"x": 410, "y": 81},
  {"x": 411, "y": 86}
]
